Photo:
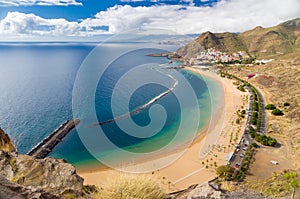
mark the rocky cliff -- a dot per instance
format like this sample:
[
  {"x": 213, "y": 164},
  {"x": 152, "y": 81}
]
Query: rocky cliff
[
  {"x": 207, "y": 190},
  {"x": 5, "y": 142},
  {"x": 49, "y": 174},
  {"x": 16, "y": 191},
  {"x": 23, "y": 176}
]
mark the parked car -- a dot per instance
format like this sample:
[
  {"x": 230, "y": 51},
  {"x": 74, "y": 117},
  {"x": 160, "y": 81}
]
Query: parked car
[{"x": 274, "y": 162}]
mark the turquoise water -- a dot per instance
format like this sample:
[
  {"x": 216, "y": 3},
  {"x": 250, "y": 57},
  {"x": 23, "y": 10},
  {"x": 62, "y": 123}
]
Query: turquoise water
[{"x": 39, "y": 84}]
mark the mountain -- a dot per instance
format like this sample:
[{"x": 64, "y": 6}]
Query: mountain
[{"x": 280, "y": 39}]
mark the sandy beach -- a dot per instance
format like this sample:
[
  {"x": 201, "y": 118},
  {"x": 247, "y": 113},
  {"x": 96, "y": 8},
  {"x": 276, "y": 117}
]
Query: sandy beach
[{"x": 194, "y": 166}]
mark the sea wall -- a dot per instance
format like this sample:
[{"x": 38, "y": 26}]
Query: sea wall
[{"x": 42, "y": 149}]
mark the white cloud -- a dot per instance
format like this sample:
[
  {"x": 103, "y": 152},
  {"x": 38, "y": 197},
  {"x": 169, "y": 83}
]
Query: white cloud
[
  {"x": 16, "y": 23},
  {"x": 226, "y": 15},
  {"x": 39, "y": 2}
]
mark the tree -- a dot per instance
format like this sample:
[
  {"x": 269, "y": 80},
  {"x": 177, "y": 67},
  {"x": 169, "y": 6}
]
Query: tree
[
  {"x": 270, "y": 107},
  {"x": 255, "y": 106},
  {"x": 225, "y": 172},
  {"x": 277, "y": 112},
  {"x": 254, "y": 145}
]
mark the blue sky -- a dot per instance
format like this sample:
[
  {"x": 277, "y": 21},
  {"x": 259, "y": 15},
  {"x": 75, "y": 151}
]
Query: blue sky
[
  {"x": 45, "y": 19},
  {"x": 88, "y": 8}
]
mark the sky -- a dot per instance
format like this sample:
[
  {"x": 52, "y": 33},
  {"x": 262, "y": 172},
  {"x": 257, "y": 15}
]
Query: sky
[{"x": 61, "y": 19}]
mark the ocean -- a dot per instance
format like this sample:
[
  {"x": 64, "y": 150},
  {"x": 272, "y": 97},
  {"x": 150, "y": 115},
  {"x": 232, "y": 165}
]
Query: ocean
[{"x": 131, "y": 106}]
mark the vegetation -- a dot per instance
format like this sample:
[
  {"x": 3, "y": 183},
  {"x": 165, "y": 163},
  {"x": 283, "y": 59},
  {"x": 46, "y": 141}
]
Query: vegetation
[
  {"x": 251, "y": 131},
  {"x": 132, "y": 186},
  {"x": 225, "y": 172},
  {"x": 254, "y": 118},
  {"x": 265, "y": 140},
  {"x": 286, "y": 104},
  {"x": 241, "y": 88},
  {"x": 245, "y": 165},
  {"x": 277, "y": 112},
  {"x": 255, "y": 106},
  {"x": 280, "y": 185},
  {"x": 270, "y": 107},
  {"x": 254, "y": 145}
]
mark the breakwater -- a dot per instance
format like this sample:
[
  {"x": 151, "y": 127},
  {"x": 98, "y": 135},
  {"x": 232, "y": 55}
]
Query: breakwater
[
  {"x": 42, "y": 149},
  {"x": 139, "y": 109}
]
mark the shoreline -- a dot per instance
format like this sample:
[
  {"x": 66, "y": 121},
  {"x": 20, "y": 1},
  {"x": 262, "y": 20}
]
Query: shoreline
[{"x": 190, "y": 164}]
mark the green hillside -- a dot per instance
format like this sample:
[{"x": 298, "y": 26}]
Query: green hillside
[{"x": 281, "y": 39}]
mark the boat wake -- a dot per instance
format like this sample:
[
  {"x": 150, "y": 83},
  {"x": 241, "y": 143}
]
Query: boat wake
[{"x": 139, "y": 109}]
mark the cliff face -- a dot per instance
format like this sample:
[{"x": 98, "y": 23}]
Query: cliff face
[
  {"x": 280, "y": 39},
  {"x": 48, "y": 174},
  {"x": 5, "y": 142},
  {"x": 23, "y": 176},
  {"x": 15, "y": 191}
]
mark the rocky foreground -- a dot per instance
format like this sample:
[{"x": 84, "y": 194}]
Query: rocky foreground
[
  {"x": 50, "y": 175},
  {"x": 212, "y": 191}
]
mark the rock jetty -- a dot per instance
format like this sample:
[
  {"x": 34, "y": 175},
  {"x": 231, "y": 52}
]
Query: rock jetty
[{"x": 42, "y": 149}]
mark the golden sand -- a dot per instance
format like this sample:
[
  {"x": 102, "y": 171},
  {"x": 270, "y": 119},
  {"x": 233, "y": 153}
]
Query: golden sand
[{"x": 191, "y": 167}]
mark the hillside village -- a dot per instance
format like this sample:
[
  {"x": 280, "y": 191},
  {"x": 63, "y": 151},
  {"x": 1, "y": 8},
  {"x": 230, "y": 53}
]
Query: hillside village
[{"x": 212, "y": 55}]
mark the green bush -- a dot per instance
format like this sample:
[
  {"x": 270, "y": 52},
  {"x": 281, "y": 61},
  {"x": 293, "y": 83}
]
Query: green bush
[
  {"x": 270, "y": 107},
  {"x": 254, "y": 145},
  {"x": 241, "y": 88},
  {"x": 277, "y": 112},
  {"x": 251, "y": 132},
  {"x": 265, "y": 140},
  {"x": 225, "y": 172},
  {"x": 255, "y": 106},
  {"x": 253, "y": 120},
  {"x": 286, "y": 104}
]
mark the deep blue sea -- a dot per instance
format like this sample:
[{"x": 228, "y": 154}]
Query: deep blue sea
[{"x": 44, "y": 84}]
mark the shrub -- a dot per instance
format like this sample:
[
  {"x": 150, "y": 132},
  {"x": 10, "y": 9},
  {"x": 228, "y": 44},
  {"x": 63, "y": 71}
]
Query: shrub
[
  {"x": 286, "y": 104},
  {"x": 254, "y": 145},
  {"x": 253, "y": 120},
  {"x": 277, "y": 112},
  {"x": 265, "y": 140},
  {"x": 255, "y": 106},
  {"x": 132, "y": 186},
  {"x": 251, "y": 132},
  {"x": 241, "y": 88},
  {"x": 290, "y": 175},
  {"x": 225, "y": 172},
  {"x": 270, "y": 107}
]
